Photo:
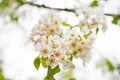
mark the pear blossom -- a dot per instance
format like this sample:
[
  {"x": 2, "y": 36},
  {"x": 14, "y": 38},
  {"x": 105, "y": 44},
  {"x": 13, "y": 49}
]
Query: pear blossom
[
  {"x": 48, "y": 25},
  {"x": 91, "y": 18},
  {"x": 58, "y": 46}
]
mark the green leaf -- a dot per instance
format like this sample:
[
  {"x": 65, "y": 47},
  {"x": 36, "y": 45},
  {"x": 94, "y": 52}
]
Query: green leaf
[
  {"x": 80, "y": 38},
  {"x": 97, "y": 29},
  {"x": 118, "y": 66},
  {"x": 4, "y": 4},
  {"x": 21, "y": 1},
  {"x": 14, "y": 19},
  {"x": 66, "y": 24},
  {"x": 72, "y": 79},
  {"x": 37, "y": 63},
  {"x": 43, "y": 61},
  {"x": 54, "y": 70},
  {"x": 115, "y": 20},
  {"x": 49, "y": 78},
  {"x": 94, "y": 3},
  {"x": 8, "y": 79},
  {"x": 110, "y": 65},
  {"x": 71, "y": 58},
  {"x": 1, "y": 77},
  {"x": 86, "y": 35}
]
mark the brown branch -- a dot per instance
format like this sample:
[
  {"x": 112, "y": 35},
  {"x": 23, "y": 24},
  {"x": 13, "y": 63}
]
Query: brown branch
[
  {"x": 112, "y": 15},
  {"x": 62, "y": 9},
  {"x": 47, "y": 7}
]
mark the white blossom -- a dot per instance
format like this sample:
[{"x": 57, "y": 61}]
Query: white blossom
[
  {"x": 91, "y": 18},
  {"x": 59, "y": 46}
]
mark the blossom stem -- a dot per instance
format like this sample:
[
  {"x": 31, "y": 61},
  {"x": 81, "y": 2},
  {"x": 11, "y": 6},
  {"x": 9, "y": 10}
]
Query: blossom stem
[{"x": 48, "y": 71}]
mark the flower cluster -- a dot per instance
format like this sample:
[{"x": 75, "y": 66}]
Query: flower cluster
[
  {"x": 91, "y": 18},
  {"x": 57, "y": 45}
]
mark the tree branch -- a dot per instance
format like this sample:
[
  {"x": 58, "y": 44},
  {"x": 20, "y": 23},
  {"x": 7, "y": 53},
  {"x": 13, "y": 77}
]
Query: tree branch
[
  {"x": 112, "y": 15},
  {"x": 62, "y": 9},
  {"x": 47, "y": 7}
]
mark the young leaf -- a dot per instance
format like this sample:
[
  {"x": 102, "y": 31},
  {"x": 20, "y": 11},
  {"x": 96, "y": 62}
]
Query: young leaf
[
  {"x": 80, "y": 38},
  {"x": 71, "y": 58},
  {"x": 86, "y": 35},
  {"x": 66, "y": 24},
  {"x": 72, "y": 79},
  {"x": 14, "y": 19},
  {"x": 21, "y": 1},
  {"x": 115, "y": 19},
  {"x": 43, "y": 61},
  {"x": 49, "y": 78},
  {"x": 97, "y": 29},
  {"x": 37, "y": 63},
  {"x": 1, "y": 77},
  {"x": 94, "y": 3},
  {"x": 54, "y": 70},
  {"x": 4, "y": 4},
  {"x": 110, "y": 65}
]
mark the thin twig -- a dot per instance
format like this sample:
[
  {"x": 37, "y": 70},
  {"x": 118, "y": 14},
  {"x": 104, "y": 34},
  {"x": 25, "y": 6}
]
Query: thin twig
[
  {"x": 62, "y": 9},
  {"x": 47, "y": 7},
  {"x": 112, "y": 15}
]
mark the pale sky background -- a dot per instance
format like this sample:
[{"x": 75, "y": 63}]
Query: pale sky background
[{"x": 18, "y": 54}]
